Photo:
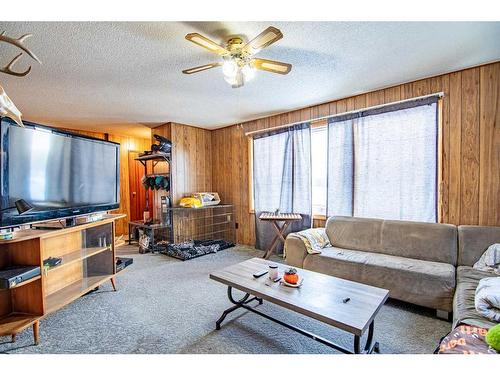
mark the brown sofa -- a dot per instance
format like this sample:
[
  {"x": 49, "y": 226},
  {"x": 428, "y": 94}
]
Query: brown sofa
[
  {"x": 415, "y": 261},
  {"x": 421, "y": 263}
]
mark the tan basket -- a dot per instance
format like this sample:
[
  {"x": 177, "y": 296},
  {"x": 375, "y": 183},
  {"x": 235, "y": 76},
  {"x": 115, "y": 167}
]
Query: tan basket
[{"x": 203, "y": 197}]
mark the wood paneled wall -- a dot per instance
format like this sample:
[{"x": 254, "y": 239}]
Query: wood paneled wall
[
  {"x": 470, "y": 186},
  {"x": 127, "y": 143},
  {"x": 191, "y": 158}
]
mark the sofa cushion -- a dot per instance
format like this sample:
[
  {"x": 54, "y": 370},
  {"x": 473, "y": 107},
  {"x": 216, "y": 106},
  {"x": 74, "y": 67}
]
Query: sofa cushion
[
  {"x": 355, "y": 233},
  {"x": 473, "y": 241},
  {"x": 421, "y": 282},
  {"x": 423, "y": 241},
  {"x": 464, "y": 311}
]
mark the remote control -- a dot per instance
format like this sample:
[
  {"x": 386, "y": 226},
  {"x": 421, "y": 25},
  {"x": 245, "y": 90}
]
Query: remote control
[{"x": 259, "y": 274}]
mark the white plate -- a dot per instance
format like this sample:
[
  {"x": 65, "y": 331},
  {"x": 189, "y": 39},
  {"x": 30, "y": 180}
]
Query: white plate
[{"x": 298, "y": 285}]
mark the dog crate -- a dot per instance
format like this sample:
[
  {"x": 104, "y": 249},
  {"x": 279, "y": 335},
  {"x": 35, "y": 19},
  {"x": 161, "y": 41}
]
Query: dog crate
[{"x": 203, "y": 224}]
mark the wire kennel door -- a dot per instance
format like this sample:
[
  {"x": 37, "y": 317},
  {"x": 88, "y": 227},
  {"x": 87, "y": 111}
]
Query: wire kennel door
[{"x": 204, "y": 223}]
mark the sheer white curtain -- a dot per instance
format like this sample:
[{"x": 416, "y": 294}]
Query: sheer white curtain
[
  {"x": 396, "y": 164},
  {"x": 270, "y": 171},
  {"x": 340, "y": 168},
  {"x": 384, "y": 165}
]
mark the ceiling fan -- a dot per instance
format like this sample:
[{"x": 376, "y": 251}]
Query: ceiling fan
[{"x": 239, "y": 65}]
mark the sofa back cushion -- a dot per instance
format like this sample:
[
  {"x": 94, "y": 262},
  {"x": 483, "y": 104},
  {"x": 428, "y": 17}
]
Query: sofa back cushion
[
  {"x": 473, "y": 240},
  {"x": 425, "y": 241},
  {"x": 355, "y": 233}
]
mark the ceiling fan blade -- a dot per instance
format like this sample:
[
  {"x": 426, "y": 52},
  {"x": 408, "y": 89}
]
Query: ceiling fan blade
[
  {"x": 271, "y": 66},
  {"x": 201, "y": 68},
  {"x": 206, "y": 43},
  {"x": 264, "y": 39}
]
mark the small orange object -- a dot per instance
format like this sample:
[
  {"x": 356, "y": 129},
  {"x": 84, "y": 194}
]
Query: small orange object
[{"x": 291, "y": 276}]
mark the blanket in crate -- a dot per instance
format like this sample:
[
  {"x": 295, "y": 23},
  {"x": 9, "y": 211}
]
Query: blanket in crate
[{"x": 193, "y": 248}]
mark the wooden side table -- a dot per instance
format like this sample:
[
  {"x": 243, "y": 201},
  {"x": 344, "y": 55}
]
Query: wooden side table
[{"x": 275, "y": 219}]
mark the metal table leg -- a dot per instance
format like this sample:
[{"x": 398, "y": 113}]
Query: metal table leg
[
  {"x": 369, "y": 347},
  {"x": 237, "y": 304}
]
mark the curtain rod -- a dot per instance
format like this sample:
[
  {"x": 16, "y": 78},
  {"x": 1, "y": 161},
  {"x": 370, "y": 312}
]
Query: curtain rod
[{"x": 438, "y": 94}]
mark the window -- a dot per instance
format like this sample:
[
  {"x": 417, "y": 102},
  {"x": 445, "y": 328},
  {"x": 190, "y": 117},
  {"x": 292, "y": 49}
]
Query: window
[
  {"x": 384, "y": 165},
  {"x": 380, "y": 163}
]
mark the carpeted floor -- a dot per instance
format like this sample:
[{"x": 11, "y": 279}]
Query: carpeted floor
[{"x": 165, "y": 305}]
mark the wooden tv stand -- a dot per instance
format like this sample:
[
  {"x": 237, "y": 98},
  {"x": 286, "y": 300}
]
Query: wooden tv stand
[{"x": 88, "y": 260}]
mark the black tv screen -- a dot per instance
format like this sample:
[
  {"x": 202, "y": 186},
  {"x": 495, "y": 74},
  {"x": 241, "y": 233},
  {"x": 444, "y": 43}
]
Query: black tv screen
[{"x": 59, "y": 173}]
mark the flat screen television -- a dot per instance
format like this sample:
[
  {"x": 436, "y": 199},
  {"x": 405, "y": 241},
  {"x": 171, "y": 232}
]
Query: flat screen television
[{"x": 59, "y": 173}]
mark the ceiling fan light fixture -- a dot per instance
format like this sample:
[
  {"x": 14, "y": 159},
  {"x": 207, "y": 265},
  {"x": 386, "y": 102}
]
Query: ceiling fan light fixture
[
  {"x": 238, "y": 64},
  {"x": 237, "y": 80},
  {"x": 230, "y": 68},
  {"x": 236, "y": 72},
  {"x": 248, "y": 72}
]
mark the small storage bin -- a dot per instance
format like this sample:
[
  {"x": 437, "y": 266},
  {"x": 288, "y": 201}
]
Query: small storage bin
[{"x": 207, "y": 199}]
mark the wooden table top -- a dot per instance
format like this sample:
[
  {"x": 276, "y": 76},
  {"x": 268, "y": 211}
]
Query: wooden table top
[
  {"x": 280, "y": 216},
  {"x": 320, "y": 296}
]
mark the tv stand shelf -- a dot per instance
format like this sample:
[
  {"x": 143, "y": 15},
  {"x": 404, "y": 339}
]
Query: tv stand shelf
[
  {"x": 14, "y": 323},
  {"x": 73, "y": 291},
  {"x": 88, "y": 259},
  {"x": 77, "y": 256},
  {"x": 26, "y": 282}
]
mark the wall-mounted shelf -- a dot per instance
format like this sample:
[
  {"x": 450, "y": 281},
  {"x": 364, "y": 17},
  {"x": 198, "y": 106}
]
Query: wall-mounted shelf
[{"x": 157, "y": 156}]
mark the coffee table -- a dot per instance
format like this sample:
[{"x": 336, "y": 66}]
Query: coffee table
[{"x": 320, "y": 297}]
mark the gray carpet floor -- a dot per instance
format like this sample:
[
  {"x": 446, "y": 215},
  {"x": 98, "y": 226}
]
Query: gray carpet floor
[{"x": 164, "y": 305}]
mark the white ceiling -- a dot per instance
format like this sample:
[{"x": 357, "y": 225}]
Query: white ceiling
[{"x": 118, "y": 75}]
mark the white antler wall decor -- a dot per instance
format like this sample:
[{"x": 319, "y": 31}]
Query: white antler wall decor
[{"x": 7, "y": 107}]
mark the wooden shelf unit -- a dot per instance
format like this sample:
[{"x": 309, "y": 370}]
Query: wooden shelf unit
[
  {"x": 88, "y": 260},
  {"x": 164, "y": 159}
]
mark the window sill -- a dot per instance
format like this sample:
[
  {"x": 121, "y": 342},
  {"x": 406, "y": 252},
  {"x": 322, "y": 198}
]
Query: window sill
[{"x": 319, "y": 217}]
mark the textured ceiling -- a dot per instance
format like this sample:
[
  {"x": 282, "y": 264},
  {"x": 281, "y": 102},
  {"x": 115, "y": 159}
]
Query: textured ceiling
[{"x": 116, "y": 76}]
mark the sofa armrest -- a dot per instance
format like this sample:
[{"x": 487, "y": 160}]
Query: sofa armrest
[{"x": 295, "y": 252}]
